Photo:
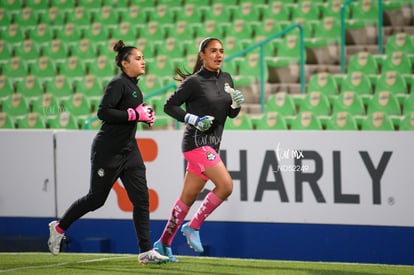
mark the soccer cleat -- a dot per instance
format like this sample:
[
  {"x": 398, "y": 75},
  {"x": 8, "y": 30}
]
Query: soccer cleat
[
  {"x": 55, "y": 238},
  {"x": 151, "y": 257},
  {"x": 165, "y": 251},
  {"x": 193, "y": 238}
]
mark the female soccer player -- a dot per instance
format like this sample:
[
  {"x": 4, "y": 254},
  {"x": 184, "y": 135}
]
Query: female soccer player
[
  {"x": 209, "y": 99},
  {"x": 115, "y": 154}
]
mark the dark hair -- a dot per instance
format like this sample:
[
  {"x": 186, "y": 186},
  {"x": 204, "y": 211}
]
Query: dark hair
[
  {"x": 199, "y": 63},
  {"x": 123, "y": 52}
]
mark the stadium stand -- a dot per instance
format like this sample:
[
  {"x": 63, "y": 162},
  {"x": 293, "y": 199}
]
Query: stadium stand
[{"x": 40, "y": 38}]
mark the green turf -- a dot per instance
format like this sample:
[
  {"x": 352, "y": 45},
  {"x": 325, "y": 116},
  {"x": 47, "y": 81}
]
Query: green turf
[{"x": 78, "y": 263}]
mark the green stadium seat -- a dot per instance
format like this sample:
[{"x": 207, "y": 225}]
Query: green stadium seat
[
  {"x": 32, "y": 121},
  {"x": 6, "y": 122},
  {"x": 48, "y": 105},
  {"x": 67, "y": 5},
  {"x": 154, "y": 32},
  {"x": 146, "y": 47},
  {"x": 150, "y": 83},
  {"x": 79, "y": 106},
  {"x": 26, "y": 18},
  {"x": 241, "y": 30},
  {"x": 85, "y": 50},
  {"x": 266, "y": 28},
  {"x": 366, "y": 11},
  {"x": 271, "y": 121},
  {"x": 104, "y": 68},
  {"x": 282, "y": 67},
  {"x": 31, "y": 88},
  {"x": 406, "y": 124},
  {"x": 16, "y": 106},
  {"x": 81, "y": 17},
  {"x": 5, "y": 52},
  {"x": 192, "y": 13},
  {"x": 279, "y": 11},
  {"x": 57, "y": 51},
  {"x": 163, "y": 14},
  {"x": 281, "y": 103},
  {"x": 92, "y": 123},
  {"x": 60, "y": 86},
  {"x": 29, "y": 51},
  {"x": 323, "y": 46},
  {"x": 318, "y": 104},
  {"x": 306, "y": 121},
  {"x": 172, "y": 48},
  {"x": 126, "y": 31},
  {"x": 44, "y": 68},
  {"x": 359, "y": 83},
  {"x": 107, "y": 15},
  {"x": 342, "y": 121},
  {"x": 364, "y": 62},
  {"x": 163, "y": 67},
  {"x": 70, "y": 34},
  {"x": 219, "y": 12},
  {"x": 90, "y": 86},
  {"x": 210, "y": 28},
  {"x": 307, "y": 10},
  {"x": 241, "y": 122},
  {"x": 408, "y": 104},
  {"x": 183, "y": 32},
  {"x": 6, "y": 88},
  {"x": 394, "y": 82},
  {"x": 12, "y": 5},
  {"x": 42, "y": 35},
  {"x": 402, "y": 42},
  {"x": 16, "y": 69},
  {"x": 97, "y": 32},
  {"x": 325, "y": 83},
  {"x": 387, "y": 103},
  {"x": 377, "y": 121},
  {"x": 74, "y": 68},
  {"x": 135, "y": 14},
  {"x": 332, "y": 8},
  {"x": 247, "y": 10},
  {"x": 352, "y": 103},
  {"x": 64, "y": 120},
  {"x": 400, "y": 62},
  {"x": 54, "y": 17},
  {"x": 5, "y": 18}
]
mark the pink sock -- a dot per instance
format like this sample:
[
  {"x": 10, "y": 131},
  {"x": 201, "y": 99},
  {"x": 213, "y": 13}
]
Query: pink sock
[
  {"x": 209, "y": 204},
  {"x": 177, "y": 216},
  {"x": 59, "y": 230}
]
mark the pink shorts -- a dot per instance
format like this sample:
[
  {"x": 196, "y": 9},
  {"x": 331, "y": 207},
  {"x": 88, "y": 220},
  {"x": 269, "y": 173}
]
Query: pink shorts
[{"x": 199, "y": 158}]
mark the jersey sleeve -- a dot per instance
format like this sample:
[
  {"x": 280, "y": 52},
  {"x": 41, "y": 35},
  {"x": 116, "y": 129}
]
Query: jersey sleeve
[
  {"x": 108, "y": 110},
  {"x": 172, "y": 106}
]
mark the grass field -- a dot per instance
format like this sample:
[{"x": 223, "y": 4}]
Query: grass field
[{"x": 79, "y": 263}]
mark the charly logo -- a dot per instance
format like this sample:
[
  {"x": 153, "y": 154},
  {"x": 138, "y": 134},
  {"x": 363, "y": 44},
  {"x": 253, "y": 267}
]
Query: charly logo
[
  {"x": 211, "y": 156},
  {"x": 134, "y": 94},
  {"x": 101, "y": 172}
]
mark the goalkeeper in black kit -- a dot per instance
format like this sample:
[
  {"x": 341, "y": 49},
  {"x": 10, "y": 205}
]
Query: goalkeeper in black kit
[{"x": 115, "y": 154}]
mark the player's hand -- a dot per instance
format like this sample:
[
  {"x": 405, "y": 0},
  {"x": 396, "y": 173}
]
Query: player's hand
[
  {"x": 145, "y": 114},
  {"x": 201, "y": 123},
  {"x": 237, "y": 98}
]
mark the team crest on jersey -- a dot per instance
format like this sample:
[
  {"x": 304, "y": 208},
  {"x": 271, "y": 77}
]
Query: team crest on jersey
[
  {"x": 101, "y": 172},
  {"x": 211, "y": 156},
  {"x": 134, "y": 94}
]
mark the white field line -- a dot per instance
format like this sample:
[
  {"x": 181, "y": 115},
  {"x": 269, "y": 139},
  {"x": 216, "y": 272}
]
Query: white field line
[{"x": 65, "y": 263}]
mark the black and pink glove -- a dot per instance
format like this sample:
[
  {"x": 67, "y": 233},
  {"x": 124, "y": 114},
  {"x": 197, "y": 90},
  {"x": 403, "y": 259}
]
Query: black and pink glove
[{"x": 144, "y": 112}]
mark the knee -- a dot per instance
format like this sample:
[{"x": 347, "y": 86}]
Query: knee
[{"x": 226, "y": 189}]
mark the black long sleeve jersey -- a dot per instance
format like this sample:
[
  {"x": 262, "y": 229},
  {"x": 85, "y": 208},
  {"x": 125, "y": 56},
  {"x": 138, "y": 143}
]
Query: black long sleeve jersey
[
  {"x": 203, "y": 94},
  {"x": 117, "y": 134}
]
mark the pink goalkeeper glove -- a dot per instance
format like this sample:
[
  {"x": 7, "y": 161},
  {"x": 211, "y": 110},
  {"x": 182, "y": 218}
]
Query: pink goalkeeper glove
[{"x": 145, "y": 114}]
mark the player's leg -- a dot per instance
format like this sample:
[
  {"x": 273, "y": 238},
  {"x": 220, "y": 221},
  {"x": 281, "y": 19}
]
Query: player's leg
[{"x": 135, "y": 183}]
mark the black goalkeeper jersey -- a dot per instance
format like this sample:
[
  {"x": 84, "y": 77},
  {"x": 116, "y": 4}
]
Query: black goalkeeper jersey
[
  {"x": 203, "y": 94},
  {"x": 117, "y": 134}
]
